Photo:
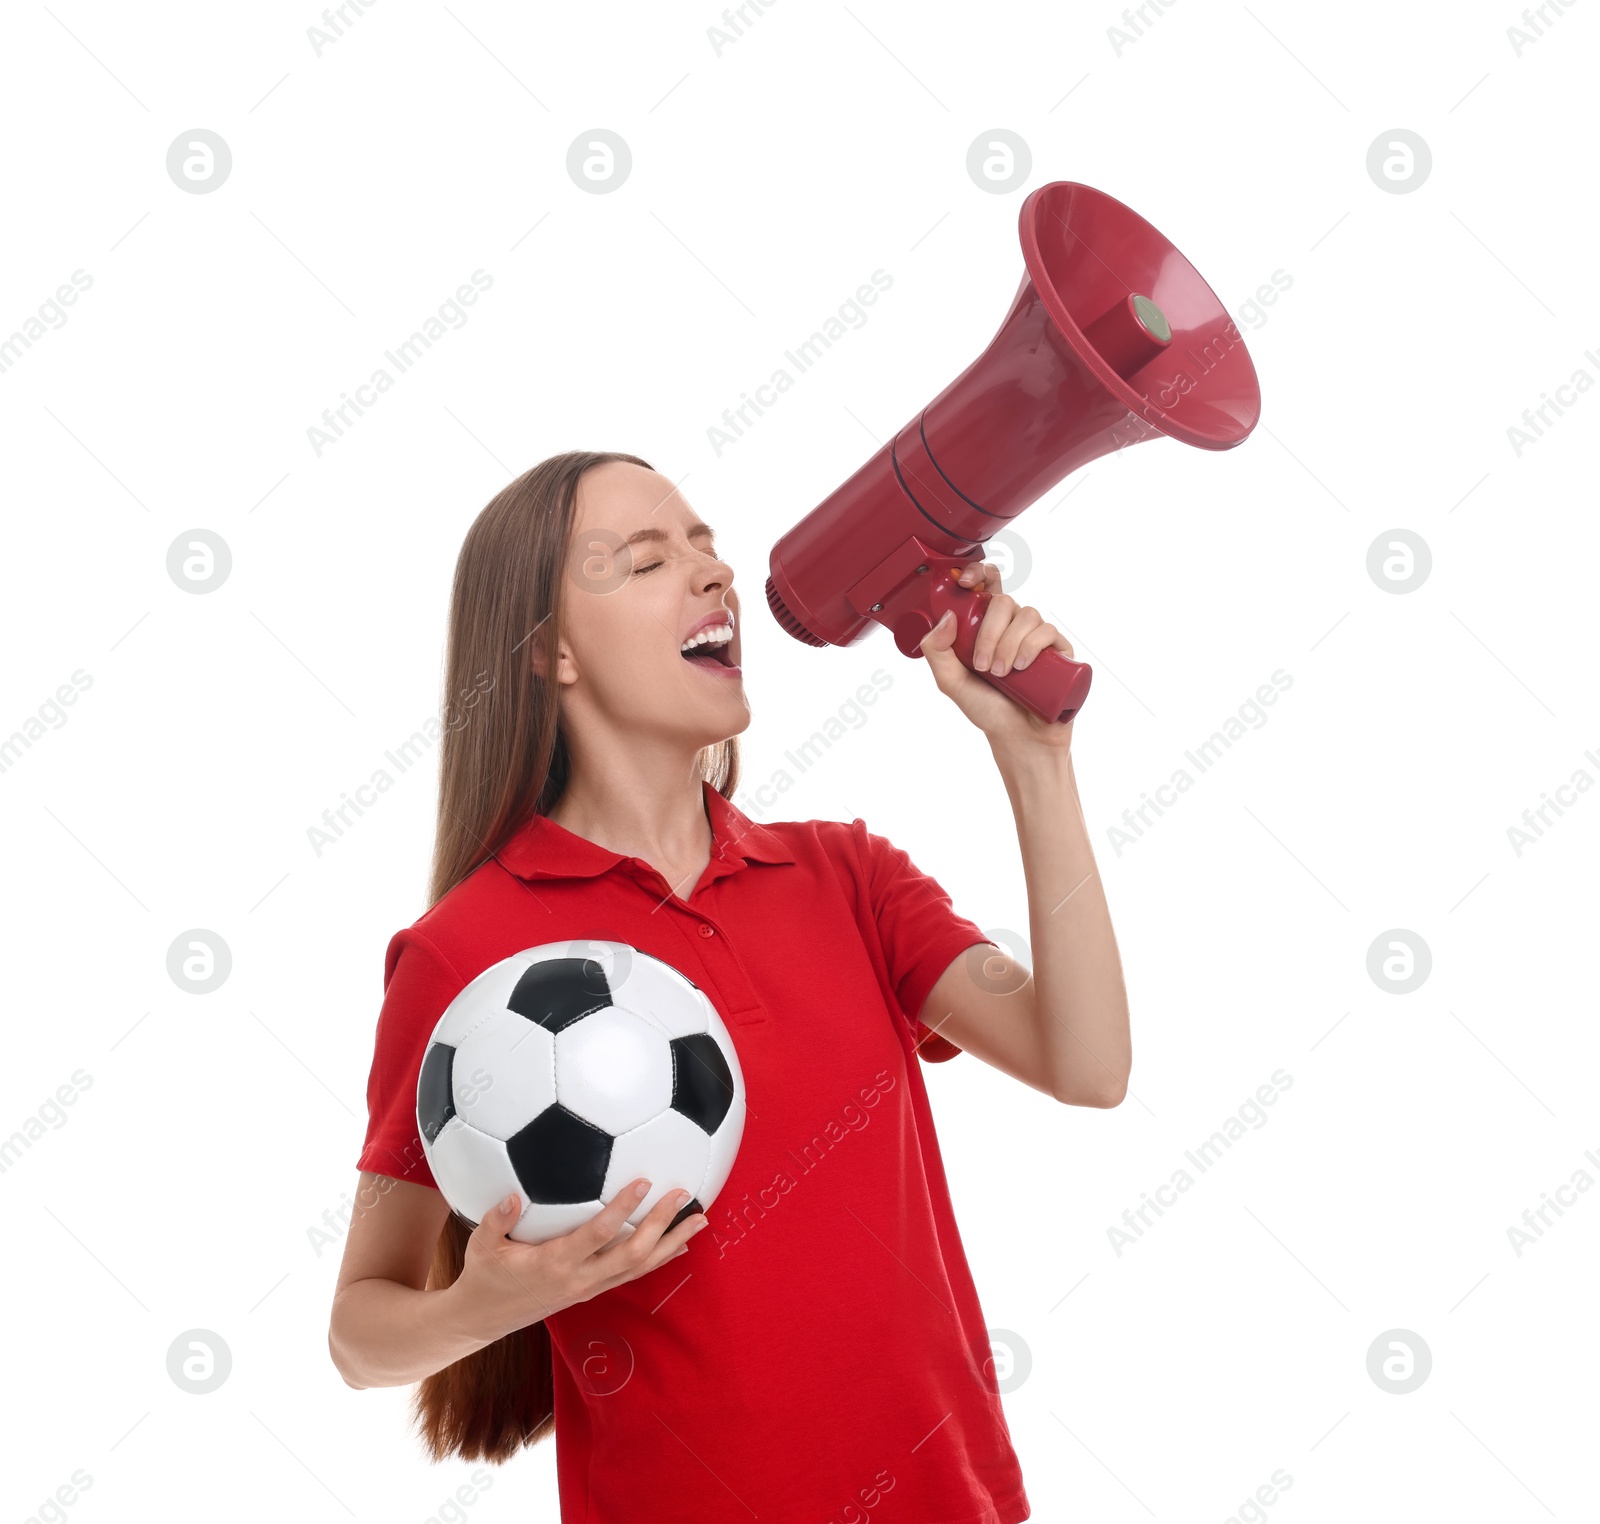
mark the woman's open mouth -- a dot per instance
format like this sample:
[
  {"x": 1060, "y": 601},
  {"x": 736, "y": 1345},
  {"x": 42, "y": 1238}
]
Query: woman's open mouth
[{"x": 711, "y": 650}]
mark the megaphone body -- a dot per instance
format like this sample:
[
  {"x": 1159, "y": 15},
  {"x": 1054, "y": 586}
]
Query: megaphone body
[{"x": 1113, "y": 338}]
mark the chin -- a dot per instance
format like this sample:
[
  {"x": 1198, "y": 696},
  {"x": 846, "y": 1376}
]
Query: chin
[
  {"x": 698, "y": 718},
  {"x": 730, "y": 719}
]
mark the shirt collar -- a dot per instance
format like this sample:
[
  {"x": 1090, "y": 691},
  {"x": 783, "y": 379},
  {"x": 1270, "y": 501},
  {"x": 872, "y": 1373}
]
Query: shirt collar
[{"x": 543, "y": 849}]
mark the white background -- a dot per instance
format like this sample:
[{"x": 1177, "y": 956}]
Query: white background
[{"x": 769, "y": 180}]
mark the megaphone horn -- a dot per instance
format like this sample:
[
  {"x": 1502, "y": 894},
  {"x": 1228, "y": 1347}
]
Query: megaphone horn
[{"x": 1113, "y": 338}]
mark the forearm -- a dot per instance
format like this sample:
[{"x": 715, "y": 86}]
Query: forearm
[
  {"x": 1080, "y": 1001},
  {"x": 385, "y": 1334}
]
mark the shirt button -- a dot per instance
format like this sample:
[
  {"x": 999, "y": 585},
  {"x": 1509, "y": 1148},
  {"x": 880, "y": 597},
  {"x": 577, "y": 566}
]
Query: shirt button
[{"x": 707, "y": 931}]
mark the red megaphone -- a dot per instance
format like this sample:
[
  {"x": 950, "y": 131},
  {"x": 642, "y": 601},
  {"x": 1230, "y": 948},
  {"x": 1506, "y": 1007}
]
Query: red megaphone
[{"x": 1113, "y": 338}]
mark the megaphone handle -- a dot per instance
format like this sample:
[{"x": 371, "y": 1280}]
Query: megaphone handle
[{"x": 1052, "y": 685}]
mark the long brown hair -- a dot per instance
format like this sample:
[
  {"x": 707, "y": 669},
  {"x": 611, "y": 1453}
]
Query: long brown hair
[{"x": 503, "y": 760}]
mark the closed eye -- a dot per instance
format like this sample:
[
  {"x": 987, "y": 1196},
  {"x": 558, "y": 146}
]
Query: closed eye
[{"x": 710, "y": 550}]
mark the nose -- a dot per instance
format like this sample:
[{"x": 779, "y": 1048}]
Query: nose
[{"x": 715, "y": 573}]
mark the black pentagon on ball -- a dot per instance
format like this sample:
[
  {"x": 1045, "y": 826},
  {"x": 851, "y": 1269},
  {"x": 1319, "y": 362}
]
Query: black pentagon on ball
[
  {"x": 435, "y": 1100},
  {"x": 560, "y": 1158},
  {"x": 556, "y": 992},
  {"x": 702, "y": 1083}
]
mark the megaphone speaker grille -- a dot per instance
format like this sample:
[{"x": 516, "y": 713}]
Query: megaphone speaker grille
[{"x": 780, "y": 612}]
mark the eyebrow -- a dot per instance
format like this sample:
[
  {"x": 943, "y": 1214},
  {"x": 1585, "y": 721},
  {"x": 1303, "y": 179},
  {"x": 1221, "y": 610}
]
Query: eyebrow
[{"x": 704, "y": 530}]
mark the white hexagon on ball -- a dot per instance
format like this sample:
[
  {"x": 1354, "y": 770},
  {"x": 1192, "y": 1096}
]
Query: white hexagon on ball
[
  {"x": 669, "y": 1151},
  {"x": 668, "y": 1001},
  {"x": 614, "y": 1069},
  {"x": 504, "y": 1074}
]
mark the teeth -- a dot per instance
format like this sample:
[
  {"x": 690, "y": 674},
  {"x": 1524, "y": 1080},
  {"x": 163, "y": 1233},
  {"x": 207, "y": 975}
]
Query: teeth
[{"x": 720, "y": 635}]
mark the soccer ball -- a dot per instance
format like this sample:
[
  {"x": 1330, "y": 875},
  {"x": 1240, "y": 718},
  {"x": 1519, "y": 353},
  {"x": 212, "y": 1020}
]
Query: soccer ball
[{"x": 567, "y": 1070}]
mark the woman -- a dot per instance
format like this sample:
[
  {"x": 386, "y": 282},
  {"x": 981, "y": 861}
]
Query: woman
[{"x": 822, "y": 1349}]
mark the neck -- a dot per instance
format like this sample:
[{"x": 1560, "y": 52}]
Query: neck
[{"x": 636, "y": 801}]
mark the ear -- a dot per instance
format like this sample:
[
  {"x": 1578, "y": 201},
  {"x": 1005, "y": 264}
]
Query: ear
[{"x": 566, "y": 666}]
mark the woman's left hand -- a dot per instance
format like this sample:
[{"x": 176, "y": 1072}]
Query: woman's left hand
[{"x": 1010, "y": 636}]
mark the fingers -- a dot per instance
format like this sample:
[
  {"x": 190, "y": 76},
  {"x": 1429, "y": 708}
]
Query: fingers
[
  {"x": 984, "y": 575},
  {"x": 948, "y": 673},
  {"x": 499, "y": 1220},
  {"x": 1011, "y": 634},
  {"x": 589, "y": 1238},
  {"x": 1009, "y": 638},
  {"x": 941, "y": 637},
  {"x": 1046, "y": 638},
  {"x": 617, "y": 1258},
  {"x": 672, "y": 1244},
  {"x": 997, "y": 617},
  {"x": 1023, "y": 623},
  {"x": 629, "y": 1254},
  {"x": 519, "y": 1261}
]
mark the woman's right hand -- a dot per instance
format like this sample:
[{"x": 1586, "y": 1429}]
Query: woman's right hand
[{"x": 505, "y": 1285}]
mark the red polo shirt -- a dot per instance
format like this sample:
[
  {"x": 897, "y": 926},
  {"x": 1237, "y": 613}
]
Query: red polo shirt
[{"x": 820, "y": 1352}]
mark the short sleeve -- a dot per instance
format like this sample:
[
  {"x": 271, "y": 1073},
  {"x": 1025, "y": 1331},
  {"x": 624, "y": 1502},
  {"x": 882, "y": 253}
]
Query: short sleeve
[
  {"x": 919, "y": 930},
  {"x": 418, "y": 984}
]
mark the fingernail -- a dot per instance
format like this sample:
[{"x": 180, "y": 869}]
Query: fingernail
[
  {"x": 680, "y": 1198},
  {"x": 999, "y": 669},
  {"x": 980, "y": 663},
  {"x": 641, "y": 1188},
  {"x": 703, "y": 1223},
  {"x": 508, "y": 1203}
]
